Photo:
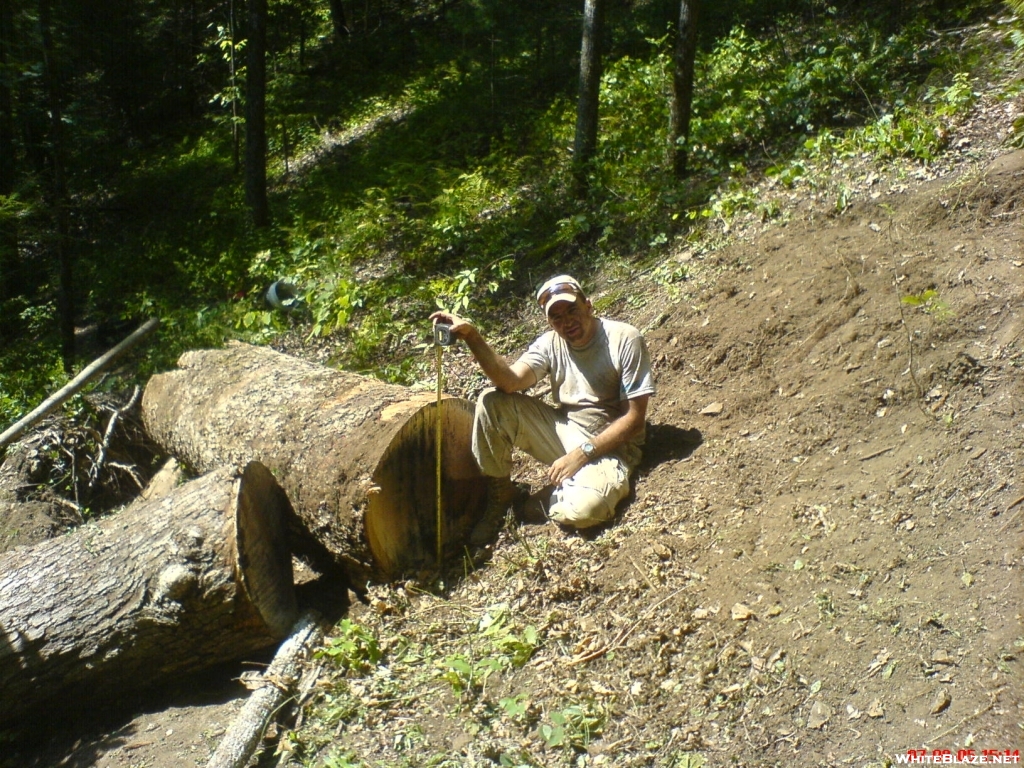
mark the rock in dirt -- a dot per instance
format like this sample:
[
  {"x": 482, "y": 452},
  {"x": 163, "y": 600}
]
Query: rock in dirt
[
  {"x": 740, "y": 612},
  {"x": 941, "y": 702},
  {"x": 821, "y": 713}
]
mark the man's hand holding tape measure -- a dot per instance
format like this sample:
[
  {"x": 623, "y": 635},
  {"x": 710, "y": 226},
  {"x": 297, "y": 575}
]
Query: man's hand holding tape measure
[
  {"x": 507, "y": 378},
  {"x": 452, "y": 328}
]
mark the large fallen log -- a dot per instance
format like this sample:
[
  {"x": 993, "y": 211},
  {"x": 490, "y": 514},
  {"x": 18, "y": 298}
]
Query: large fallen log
[
  {"x": 355, "y": 455},
  {"x": 175, "y": 585}
]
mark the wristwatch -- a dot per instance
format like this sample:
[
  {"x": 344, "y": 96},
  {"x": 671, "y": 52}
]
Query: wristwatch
[{"x": 589, "y": 449}]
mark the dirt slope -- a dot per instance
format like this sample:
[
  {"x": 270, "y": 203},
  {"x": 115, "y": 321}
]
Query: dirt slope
[
  {"x": 822, "y": 561},
  {"x": 857, "y": 490}
]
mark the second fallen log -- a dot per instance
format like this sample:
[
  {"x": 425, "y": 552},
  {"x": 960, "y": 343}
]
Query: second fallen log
[
  {"x": 165, "y": 587},
  {"x": 356, "y": 456}
]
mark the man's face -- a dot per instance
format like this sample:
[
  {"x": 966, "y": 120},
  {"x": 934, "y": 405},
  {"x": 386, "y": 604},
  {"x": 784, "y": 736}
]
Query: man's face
[{"x": 574, "y": 321}]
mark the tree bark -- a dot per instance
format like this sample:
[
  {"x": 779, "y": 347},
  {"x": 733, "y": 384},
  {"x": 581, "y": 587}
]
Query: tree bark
[
  {"x": 585, "y": 144},
  {"x": 356, "y": 456},
  {"x": 681, "y": 101},
  {"x": 163, "y": 588},
  {"x": 256, "y": 115},
  {"x": 9, "y": 256},
  {"x": 243, "y": 737},
  {"x": 233, "y": 74},
  {"x": 338, "y": 21}
]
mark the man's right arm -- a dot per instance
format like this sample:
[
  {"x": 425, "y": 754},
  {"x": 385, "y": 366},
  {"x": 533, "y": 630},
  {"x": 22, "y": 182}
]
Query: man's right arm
[{"x": 508, "y": 378}]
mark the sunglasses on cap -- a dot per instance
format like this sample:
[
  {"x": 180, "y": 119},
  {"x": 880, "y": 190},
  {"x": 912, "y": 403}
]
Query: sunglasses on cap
[{"x": 555, "y": 289}]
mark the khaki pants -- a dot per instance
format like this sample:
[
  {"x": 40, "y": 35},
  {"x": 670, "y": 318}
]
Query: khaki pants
[{"x": 506, "y": 420}]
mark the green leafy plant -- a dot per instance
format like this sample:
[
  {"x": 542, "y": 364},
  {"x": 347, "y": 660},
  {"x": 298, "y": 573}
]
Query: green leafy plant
[
  {"x": 468, "y": 676},
  {"x": 354, "y": 648},
  {"x": 518, "y": 761},
  {"x": 516, "y": 647},
  {"x": 929, "y": 302},
  {"x": 670, "y": 272},
  {"x": 687, "y": 760},
  {"x": 515, "y": 707},
  {"x": 344, "y": 759},
  {"x": 574, "y": 726},
  {"x": 454, "y": 295},
  {"x": 497, "y": 644},
  {"x": 955, "y": 98},
  {"x": 336, "y": 707}
]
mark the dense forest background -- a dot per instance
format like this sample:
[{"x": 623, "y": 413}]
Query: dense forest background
[{"x": 176, "y": 159}]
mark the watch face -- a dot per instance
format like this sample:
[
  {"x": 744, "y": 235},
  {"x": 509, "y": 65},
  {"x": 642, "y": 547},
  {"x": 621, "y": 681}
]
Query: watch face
[{"x": 588, "y": 449}]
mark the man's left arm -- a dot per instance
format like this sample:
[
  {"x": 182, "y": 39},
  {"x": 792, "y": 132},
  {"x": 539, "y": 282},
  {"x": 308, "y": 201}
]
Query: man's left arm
[{"x": 617, "y": 433}]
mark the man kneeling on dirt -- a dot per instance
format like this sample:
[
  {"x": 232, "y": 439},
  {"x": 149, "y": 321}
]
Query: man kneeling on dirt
[{"x": 601, "y": 381}]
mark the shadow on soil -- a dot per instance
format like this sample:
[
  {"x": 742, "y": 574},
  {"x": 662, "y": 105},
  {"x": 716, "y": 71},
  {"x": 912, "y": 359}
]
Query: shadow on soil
[
  {"x": 667, "y": 442},
  {"x": 75, "y": 736},
  {"x": 76, "y": 731}
]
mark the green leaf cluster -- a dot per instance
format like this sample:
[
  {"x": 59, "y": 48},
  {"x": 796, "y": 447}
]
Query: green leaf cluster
[
  {"x": 353, "y": 647},
  {"x": 498, "y": 644},
  {"x": 574, "y": 725}
]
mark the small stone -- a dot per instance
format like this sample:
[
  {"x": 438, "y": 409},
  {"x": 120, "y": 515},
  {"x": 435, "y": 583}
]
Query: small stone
[
  {"x": 941, "y": 702},
  {"x": 740, "y": 612},
  {"x": 713, "y": 410},
  {"x": 662, "y": 552},
  {"x": 820, "y": 714},
  {"x": 875, "y": 710}
]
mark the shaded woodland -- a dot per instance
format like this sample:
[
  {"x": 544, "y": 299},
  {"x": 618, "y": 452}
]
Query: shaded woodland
[{"x": 175, "y": 160}]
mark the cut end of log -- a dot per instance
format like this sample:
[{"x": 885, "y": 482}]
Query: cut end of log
[
  {"x": 264, "y": 559},
  {"x": 401, "y": 511}
]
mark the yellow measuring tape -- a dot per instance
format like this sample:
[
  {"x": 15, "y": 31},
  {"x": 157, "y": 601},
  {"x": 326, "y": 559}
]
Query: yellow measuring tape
[{"x": 437, "y": 444}]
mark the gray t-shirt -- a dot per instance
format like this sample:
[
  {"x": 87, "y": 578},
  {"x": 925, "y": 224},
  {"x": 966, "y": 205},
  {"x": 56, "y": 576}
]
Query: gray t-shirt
[{"x": 593, "y": 383}]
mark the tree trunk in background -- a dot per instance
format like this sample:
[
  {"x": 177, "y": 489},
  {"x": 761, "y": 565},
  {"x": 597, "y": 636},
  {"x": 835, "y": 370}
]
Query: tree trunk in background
[
  {"x": 256, "y": 115},
  {"x": 233, "y": 73},
  {"x": 585, "y": 144},
  {"x": 681, "y": 101},
  {"x": 166, "y": 587},
  {"x": 65, "y": 297},
  {"x": 356, "y": 456},
  {"x": 338, "y": 22},
  {"x": 9, "y": 258}
]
